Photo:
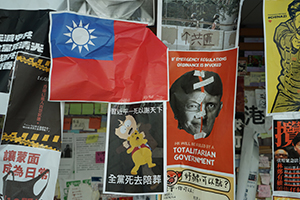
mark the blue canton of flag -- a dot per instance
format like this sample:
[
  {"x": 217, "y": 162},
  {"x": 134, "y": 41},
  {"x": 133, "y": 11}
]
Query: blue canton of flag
[{"x": 81, "y": 36}]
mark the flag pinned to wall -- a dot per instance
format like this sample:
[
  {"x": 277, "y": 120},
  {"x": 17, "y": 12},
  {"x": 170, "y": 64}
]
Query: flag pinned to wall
[{"x": 96, "y": 59}]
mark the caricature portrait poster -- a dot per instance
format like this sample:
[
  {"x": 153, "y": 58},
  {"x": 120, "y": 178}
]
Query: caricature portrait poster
[
  {"x": 200, "y": 116},
  {"x": 281, "y": 54},
  {"x": 135, "y": 149},
  {"x": 286, "y": 152}
]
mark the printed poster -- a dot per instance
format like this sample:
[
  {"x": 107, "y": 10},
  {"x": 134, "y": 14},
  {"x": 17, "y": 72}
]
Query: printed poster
[
  {"x": 32, "y": 120},
  {"x": 29, "y": 34},
  {"x": 199, "y": 25},
  {"x": 28, "y": 173},
  {"x": 286, "y": 148},
  {"x": 200, "y": 117},
  {"x": 281, "y": 25},
  {"x": 135, "y": 149}
]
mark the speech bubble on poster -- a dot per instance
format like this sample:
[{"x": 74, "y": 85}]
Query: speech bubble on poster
[{"x": 205, "y": 180}]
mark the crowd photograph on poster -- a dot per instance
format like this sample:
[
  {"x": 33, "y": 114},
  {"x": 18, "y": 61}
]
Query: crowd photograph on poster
[{"x": 149, "y": 99}]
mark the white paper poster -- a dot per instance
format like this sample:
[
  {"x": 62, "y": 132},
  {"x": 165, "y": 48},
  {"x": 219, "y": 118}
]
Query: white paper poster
[{"x": 28, "y": 173}]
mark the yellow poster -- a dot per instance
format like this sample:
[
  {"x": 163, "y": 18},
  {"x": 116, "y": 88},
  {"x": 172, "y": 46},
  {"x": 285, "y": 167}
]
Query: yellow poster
[{"x": 282, "y": 43}]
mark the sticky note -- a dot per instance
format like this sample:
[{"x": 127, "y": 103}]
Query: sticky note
[
  {"x": 75, "y": 109},
  {"x": 103, "y": 108},
  {"x": 95, "y": 122},
  {"x": 100, "y": 156},
  {"x": 264, "y": 191},
  {"x": 265, "y": 178},
  {"x": 67, "y": 123},
  {"x": 73, "y": 131},
  {"x": 87, "y": 108},
  {"x": 86, "y": 122},
  {"x": 102, "y": 130},
  {"x": 92, "y": 138},
  {"x": 97, "y": 108},
  {"x": 78, "y": 123},
  {"x": 103, "y": 121},
  {"x": 264, "y": 161},
  {"x": 67, "y": 107}
]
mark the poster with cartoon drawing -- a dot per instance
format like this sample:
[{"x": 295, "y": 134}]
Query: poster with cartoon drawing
[
  {"x": 135, "y": 147},
  {"x": 282, "y": 43}
]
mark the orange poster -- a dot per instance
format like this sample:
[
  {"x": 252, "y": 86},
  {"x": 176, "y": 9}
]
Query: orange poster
[{"x": 200, "y": 110}]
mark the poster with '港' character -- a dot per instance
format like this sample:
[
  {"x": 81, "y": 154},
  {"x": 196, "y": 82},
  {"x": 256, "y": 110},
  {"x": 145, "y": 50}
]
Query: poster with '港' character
[
  {"x": 135, "y": 147},
  {"x": 286, "y": 151}
]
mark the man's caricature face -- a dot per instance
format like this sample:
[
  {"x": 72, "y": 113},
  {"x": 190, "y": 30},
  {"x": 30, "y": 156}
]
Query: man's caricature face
[
  {"x": 197, "y": 114},
  {"x": 126, "y": 127}
]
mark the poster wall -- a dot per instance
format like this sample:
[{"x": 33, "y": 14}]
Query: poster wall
[
  {"x": 32, "y": 120},
  {"x": 281, "y": 53},
  {"x": 200, "y": 113},
  {"x": 135, "y": 149},
  {"x": 286, "y": 151}
]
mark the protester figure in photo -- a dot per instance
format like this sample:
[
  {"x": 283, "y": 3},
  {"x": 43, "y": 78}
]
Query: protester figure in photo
[
  {"x": 195, "y": 99},
  {"x": 67, "y": 153},
  {"x": 286, "y": 37}
]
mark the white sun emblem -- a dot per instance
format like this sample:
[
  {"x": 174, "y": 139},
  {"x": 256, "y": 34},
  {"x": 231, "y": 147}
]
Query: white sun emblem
[{"x": 80, "y": 36}]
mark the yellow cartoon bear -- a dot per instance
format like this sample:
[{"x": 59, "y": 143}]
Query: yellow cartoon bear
[{"x": 140, "y": 151}]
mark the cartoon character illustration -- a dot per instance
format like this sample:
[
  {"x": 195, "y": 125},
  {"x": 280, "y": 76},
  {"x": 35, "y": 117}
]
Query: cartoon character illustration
[
  {"x": 173, "y": 177},
  {"x": 140, "y": 152},
  {"x": 126, "y": 128}
]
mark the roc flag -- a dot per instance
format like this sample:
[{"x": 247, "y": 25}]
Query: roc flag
[{"x": 97, "y": 59}]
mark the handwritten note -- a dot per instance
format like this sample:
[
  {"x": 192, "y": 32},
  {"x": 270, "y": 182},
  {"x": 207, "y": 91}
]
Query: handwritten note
[
  {"x": 77, "y": 123},
  {"x": 97, "y": 108},
  {"x": 92, "y": 139},
  {"x": 87, "y": 108},
  {"x": 95, "y": 122},
  {"x": 265, "y": 178},
  {"x": 67, "y": 123},
  {"x": 67, "y": 107},
  {"x": 264, "y": 191},
  {"x": 75, "y": 109},
  {"x": 264, "y": 161}
]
